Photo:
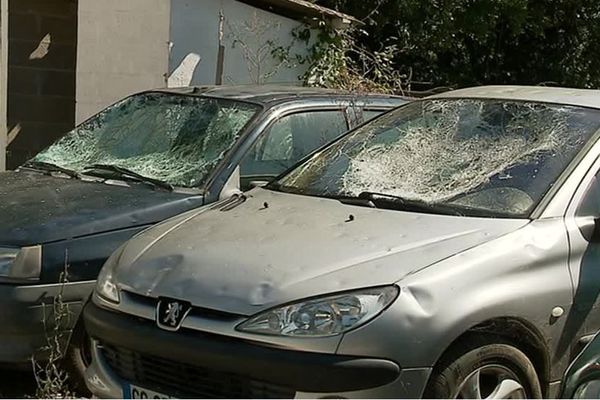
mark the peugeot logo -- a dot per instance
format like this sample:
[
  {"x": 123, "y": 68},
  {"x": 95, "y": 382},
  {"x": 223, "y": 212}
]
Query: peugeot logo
[{"x": 170, "y": 313}]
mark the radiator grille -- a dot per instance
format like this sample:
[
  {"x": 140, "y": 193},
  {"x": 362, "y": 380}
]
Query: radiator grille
[{"x": 185, "y": 380}]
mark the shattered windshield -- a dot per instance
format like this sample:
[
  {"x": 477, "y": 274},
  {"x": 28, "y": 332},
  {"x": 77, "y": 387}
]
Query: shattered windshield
[
  {"x": 478, "y": 156},
  {"x": 176, "y": 139}
]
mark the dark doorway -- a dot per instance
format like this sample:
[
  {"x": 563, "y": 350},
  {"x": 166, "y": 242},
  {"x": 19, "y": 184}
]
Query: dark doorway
[{"x": 42, "y": 54}]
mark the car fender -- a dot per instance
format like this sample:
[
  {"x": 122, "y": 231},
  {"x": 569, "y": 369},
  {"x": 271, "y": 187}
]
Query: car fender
[{"x": 521, "y": 276}]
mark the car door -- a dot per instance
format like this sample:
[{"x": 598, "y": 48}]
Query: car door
[
  {"x": 584, "y": 261},
  {"x": 287, "y": 140}
]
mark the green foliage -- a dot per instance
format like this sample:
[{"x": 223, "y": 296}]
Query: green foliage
[
  {"x": 470, "y": 42},
  {"x": 337, "y": 59}
]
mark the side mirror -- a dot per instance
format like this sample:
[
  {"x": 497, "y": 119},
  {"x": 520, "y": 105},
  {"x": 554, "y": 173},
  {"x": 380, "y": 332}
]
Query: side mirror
[
  {"x": 590, "y": 229},
  {"x": 596, "y": 231}
]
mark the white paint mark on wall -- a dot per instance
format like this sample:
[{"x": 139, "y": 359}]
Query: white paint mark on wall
[
  {"x": 184, "y": 73},
  {"x": 42, "y": 50},
  {"x": 12, "y": 134}
]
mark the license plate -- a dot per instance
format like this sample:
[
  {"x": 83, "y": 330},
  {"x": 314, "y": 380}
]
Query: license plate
[{"x": 136, "y": 392}]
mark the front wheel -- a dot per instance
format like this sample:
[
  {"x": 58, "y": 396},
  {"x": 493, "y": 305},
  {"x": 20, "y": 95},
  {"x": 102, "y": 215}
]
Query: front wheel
[
  {"x": 78, "y": 358},
  {"x": 491, "y": 371}
]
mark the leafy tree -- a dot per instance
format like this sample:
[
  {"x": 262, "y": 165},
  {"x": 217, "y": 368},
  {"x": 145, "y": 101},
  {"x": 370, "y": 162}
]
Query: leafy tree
[{"x": 471, "y": 42}]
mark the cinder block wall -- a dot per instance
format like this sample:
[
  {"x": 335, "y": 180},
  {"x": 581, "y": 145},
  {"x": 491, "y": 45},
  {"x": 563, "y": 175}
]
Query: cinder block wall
[{"x": 41, "y": 74}]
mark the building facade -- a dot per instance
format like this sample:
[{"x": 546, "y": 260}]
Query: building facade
[{"x": 67, "y": 59}]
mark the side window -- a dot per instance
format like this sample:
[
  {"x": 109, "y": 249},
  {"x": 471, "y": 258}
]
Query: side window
[
  {"x": 590, "y": 204},
  {"x": 370, "y": 114},
  {"x": 287, "y": 140}
]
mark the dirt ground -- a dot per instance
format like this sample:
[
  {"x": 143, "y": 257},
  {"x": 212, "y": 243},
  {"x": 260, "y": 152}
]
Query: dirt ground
[{"x": 16, "y": 384}]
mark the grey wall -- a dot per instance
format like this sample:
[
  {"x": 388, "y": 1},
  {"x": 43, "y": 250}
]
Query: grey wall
[
  {"x": 41, "y": 74},
  {"x": 3, "y": 78},
  {"x": 123, "y": 48},
  {"x": 195, "y": 30}
]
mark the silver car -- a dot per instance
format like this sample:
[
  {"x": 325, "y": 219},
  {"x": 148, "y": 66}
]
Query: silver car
[{"x": 445, "y": 249}]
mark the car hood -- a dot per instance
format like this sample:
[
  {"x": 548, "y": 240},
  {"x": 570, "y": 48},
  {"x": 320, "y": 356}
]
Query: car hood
[
  {"x": 37, "y": 208},
  {"x": 276, "y": 247}
]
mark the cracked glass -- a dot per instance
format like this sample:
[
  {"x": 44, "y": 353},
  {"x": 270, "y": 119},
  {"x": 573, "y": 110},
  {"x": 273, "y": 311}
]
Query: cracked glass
[
  {"x": 177, "y": 139},
  {"x": 481, "y": 157}
]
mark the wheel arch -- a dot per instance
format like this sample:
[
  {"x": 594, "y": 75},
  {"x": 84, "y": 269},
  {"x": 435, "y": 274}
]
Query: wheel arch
[{"x": 518, "y": 332}]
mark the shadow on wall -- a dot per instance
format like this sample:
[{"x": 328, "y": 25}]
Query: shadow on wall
[
  {"x": 42, "y": 41},
  {"x": 237, "y": 43}
]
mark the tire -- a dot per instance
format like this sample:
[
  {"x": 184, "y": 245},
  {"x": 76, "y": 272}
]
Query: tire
[
  {"x": 480, "y": 368},
  {"x": 77, "y": 359}
]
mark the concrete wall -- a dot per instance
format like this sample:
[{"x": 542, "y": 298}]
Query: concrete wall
[
  {"x": 123, "y": 48},
  {"x": 195, "y": 32},
  {"x": 41, "y": 74},
  {"x": 3, "y": 79}
]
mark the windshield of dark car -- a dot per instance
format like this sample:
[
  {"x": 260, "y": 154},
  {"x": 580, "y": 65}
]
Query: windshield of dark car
[
  {"x": 479, "y": 156},
  {"x": 177, "y": 139}
]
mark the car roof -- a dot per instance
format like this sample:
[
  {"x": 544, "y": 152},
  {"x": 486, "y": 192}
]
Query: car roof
[
  {"x": 272, "y": 94},
  {"x": 568, "y": 96}
]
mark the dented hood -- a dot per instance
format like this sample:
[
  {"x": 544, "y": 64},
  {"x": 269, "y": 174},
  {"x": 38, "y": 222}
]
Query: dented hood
[
  {"x": 36, "y": 208},
  {"x": 276, "y": 247}
]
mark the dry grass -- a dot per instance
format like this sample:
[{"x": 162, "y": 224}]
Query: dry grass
[{"x": 51, "y": 380}]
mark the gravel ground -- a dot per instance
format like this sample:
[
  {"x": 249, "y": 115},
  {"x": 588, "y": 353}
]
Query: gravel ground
[{"x": 16, "y": 384}]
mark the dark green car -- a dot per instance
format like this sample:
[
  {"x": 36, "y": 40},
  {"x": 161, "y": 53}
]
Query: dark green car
[{"x": 582, "y": 379}]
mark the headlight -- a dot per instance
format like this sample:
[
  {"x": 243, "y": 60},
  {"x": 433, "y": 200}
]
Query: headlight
[
  {"x": 105, "y": 285},
  {"x": 7, "y": 258},
  {"x": 324, "y": 316},
  {"x": 20, "y": 264}
]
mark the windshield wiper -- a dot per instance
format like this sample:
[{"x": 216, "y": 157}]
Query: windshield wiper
[
  {"x": 356, "y": 201},
  {"x": 125, "y": 173},
  {"x": 49, "y": 167},
  {"x": 390, "y": 201}
]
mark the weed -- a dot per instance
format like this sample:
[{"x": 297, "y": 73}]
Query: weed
[{"x": 50, "y": 378}]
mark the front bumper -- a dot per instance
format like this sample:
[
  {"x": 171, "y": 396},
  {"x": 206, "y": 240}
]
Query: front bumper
[
  {"x": 303, "y": 374},
  {"x": 27, "y": 319}
]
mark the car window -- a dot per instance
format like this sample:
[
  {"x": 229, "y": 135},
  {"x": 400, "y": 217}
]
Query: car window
[
  {"x": 174, "y": 138},
  {"x": 370, "y": 114},
  {"x": 479, "y": 157},
  {"x": 590, "y": 204},
  {"x": 288, "y": 140}
]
